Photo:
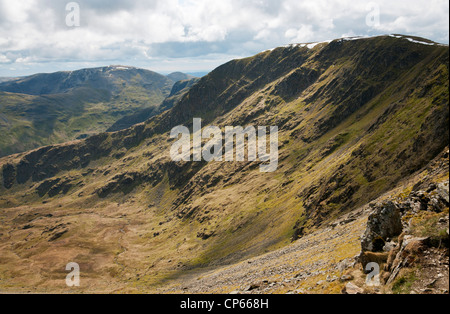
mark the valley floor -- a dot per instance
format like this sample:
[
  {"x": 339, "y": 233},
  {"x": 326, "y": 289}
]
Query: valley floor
[{"x": 313, "y": 264}]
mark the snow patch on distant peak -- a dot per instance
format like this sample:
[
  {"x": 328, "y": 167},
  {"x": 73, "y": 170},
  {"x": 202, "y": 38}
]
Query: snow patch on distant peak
[
  {"x": 119, "y": 67},
  {"x": 420, "y": 42},
  {"x": 314, "y": 44},
  {"x": 354, "y": 38},
  {"x": 308, "y": 45},
  {"x": 416, "y": 41}
]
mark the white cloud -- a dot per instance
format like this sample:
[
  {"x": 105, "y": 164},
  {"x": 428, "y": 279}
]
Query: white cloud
[
  {"x": 135, "y": 32},
  {"x": 4, "y": 59},
  {"x": 302, "y": 35}
]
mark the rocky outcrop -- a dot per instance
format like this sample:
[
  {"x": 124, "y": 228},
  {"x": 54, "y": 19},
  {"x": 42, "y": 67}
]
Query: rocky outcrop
[
  {"x": 53, "y": 187},
  {"x": 405, "y": 254},
  {"x": 351, "y": 288},
  {"x": 127, "y": 181},
  {"x": 385, "y": 222},
  {"x": 381, "y": 245}
]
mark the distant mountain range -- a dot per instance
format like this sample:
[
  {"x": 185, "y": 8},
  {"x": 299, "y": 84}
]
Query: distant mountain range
[
  {"x": 178, "y": 76},
  {"x": 45, "y": 109},
  {"x": 6, "y": 79}
]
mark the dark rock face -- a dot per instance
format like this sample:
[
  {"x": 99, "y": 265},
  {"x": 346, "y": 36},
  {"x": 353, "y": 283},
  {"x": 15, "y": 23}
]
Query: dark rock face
[
  {"x": 182, "y": 85},
  {"x": 385, "y": 222},
  {"x": 9, "y": 176},
  {"x": 58, "y": 235},
  {"x": 127, "y": 181},
  {"x": 296, "y": 83},
  {"x": 45, "y": 186},
  {"x": 55, "y": 187},
  {"x": 122, "y": 182}
]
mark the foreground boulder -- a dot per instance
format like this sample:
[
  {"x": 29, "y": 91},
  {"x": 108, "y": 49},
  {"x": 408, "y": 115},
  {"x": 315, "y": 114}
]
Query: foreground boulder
[{"x": 385, "y": 222}]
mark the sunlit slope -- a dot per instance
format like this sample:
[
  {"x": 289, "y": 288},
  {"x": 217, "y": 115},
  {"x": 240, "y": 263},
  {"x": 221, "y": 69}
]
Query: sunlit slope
[{"x": 355, "y": 117}]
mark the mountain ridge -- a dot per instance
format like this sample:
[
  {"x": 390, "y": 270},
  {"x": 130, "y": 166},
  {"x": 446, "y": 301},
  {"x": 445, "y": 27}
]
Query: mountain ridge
[{"x": 63, "y": 81}]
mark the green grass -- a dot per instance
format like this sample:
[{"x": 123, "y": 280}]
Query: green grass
[{"x": 403, "y": 285}]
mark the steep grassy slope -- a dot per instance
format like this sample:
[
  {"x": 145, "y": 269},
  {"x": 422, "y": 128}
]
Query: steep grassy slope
[
  {"x": 45, "y": 109},
  {"x": 327, "y": 260},
  {"x": 355, "y": 118},
  {"x": 179, "y": 89}
]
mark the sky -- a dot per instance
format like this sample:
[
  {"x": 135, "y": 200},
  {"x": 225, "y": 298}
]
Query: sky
[{"x": 38, "y": 36}]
